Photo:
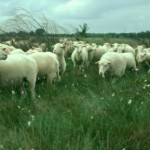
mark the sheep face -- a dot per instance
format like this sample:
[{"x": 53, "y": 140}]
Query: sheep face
[
  {"x": 3, "y": 55},
  {"x": 89, "y": 47},
  {"x": 79, "y": 48},
  {"x": 107, "y": 45},
  {"x": 115, "y": 46},
  {"x": 103, "y": 67},
  {"x": 140, "y": 47},
  {"x": 141, "y": 57},
  {"x": 58, "y": 49}
]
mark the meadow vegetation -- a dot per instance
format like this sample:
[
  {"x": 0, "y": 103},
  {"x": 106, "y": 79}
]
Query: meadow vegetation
[{"x": 80, "y": 112}]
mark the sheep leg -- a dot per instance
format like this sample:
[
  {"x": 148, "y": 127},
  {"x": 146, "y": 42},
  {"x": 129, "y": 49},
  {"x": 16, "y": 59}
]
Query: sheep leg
[
  {"x": 74, "y": 63},
  {"x": 147, "y": 64},
  {"x": 52, "y": 77},
  {"x": 32, "y": 86},
  {"x": 23, "y": 91},
  {"x": 114, "y": 80}
]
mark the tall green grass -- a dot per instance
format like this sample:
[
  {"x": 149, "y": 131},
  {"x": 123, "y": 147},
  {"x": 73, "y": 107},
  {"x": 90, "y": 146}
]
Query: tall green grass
[{"x": 79, "y": 113}]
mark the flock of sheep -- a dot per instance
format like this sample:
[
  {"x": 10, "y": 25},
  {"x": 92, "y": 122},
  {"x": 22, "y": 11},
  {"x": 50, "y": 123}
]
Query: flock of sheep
[{"x": 17, "y": 65}]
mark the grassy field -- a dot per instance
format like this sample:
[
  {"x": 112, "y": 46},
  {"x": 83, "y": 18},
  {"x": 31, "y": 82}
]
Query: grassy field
[{"x": 79, "y": 113}]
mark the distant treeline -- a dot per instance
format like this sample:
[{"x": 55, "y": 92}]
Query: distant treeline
[
  {"x": 119, "y": 35},
  {"x": 144, "y": 35},
  {"x": 134, "y": 35},
  {"x": 40, "y": 34}
]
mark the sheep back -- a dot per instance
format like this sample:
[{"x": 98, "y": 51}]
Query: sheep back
[{"x": 117, "y": 63}]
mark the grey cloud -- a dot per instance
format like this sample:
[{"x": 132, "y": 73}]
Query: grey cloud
[{"x": 100, "y": 15}]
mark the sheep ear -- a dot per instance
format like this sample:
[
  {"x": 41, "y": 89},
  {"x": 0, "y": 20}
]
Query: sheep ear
[
  {"x": 75, "y": 45},
  {"x": 4, "y": 49},
  {"x": 64, "y": 45},
  {"x": 33, "y": 47},
  {"x": 52, "y": 46},
  {"x": 109, "y": 62},
  {"x": 97, "y": 62},
  {"x": 143, "y": 46}
]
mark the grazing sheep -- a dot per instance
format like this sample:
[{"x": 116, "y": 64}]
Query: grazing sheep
[
  {"x": 43, "y": 47},
  {"x": 140, "y": 50},
  {"x": 106, "y": 46},
  {"x": 98, "y": 52},
  {"x": 130, "y": 61},
  {"x": 63, "y": 40},
  {"x": 144, "y": 57},
  {"x": 15, "y": 69},
  {"x": 7, "y": 51},
  {"x": 47, "y": 64},
  {"x": 79, "y": 57},
  {"x": 114, "y": 47},
  {"x": 9, "y": 43},
  {"x": 125, "y": 48},
  {"x": 90, "y": 48},
  {"x": 68, "y": 47},
  {"x": 115, "y": 63},
  {"x": 34, "y": 50},
  {"x": 17, "y": 51},
  {"x": 24, "y": 44},
  {"x": 6, "y": 47},
  {"x": 58, "y": 49},
  {"x": 3, "y": 55}
]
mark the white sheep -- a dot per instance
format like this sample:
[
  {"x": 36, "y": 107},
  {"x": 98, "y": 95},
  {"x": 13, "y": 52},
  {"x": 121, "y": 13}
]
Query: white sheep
[
  {"x": 141, "y": 50},
  {"x": 15, "y": 69},
  {"x": 114, "y": 47},
  {"x": 63, "y": 40},
  {"x": 6, "y": 47},
  {"x": 34, "y": 50},
  {"x": 91, "y": 48},
  {"x": 47, "y": 64},
  {"x": 9, "y": 43},
  {"x": 115, "y": 63},
  {"x": 3, "y": 55},
  {"x": 144, "y": 57},
  {"x": 98, "y": 52},
  {"x": 58, "y": 49},
  {"x": 25, "y": 44},
  {"x": 106, "y": 46},
  {"x": 125, "y": 48},
  {"x": 68, "y": 47},
  {"x": 79, "y": 57},
  {"x": 43, "y": 47},
  {"x": 15, "y": 51},
  {"x": 130, "y": 61}
]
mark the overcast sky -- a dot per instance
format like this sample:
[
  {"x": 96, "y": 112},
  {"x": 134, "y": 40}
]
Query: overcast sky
[{"x": 102, "y": 16}]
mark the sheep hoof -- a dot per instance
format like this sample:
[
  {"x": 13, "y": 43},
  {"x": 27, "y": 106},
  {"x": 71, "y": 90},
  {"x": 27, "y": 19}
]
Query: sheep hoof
[
  {"x": 103, "y": 76},
  {"x": 85, "y": 76}
]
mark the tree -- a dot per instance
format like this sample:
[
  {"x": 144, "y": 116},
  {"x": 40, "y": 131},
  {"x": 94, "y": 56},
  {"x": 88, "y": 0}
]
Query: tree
[
  {"x": 40, "y": 31},
  {"x": 82, "y": 31}
]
